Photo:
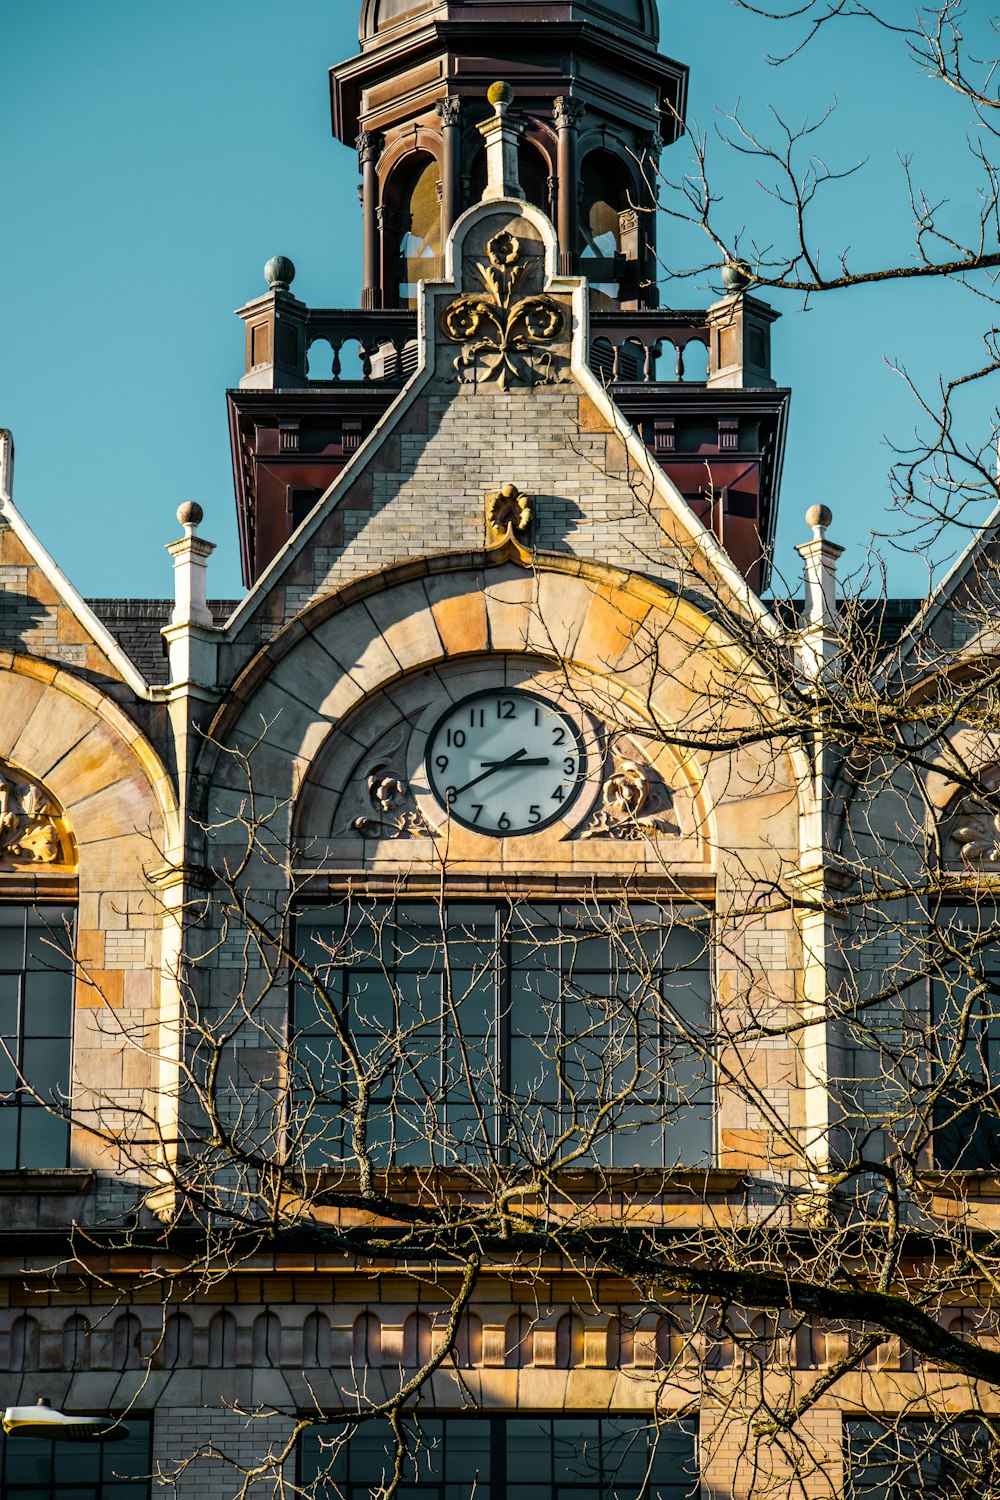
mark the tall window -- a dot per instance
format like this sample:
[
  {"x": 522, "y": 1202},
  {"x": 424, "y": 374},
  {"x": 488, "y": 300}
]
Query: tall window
[
  {"x": 34, "y": 1469},
  {"x": 420, "y": 230},
  {"x": 511, "y": 1458},
  {"x": 538, "y": 1033},
  {"x": 36, "y": 1022},
  {"x": 914, "y": 1459},
  {"x": 965, "y": 1037}
]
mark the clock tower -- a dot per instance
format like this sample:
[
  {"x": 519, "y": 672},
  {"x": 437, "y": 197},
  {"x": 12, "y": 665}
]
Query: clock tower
[{"x": 592, "y": 105}]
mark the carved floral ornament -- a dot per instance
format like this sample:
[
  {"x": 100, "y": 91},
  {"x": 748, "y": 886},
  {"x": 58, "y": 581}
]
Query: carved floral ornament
[
  {"x": 31, "y": 830},
  {"x": 504, "y": 337}
]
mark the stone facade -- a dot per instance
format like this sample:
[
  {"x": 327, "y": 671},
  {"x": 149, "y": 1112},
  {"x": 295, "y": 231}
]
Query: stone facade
[{"x": 288, "y": 746}]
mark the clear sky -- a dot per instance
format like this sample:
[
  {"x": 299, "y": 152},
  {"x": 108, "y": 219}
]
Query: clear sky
[{"x": 154, "y": 156}]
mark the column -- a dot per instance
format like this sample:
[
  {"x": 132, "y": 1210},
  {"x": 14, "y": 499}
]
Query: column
[
  {"x": 369, "y": 147},
  {"x": 450, "y": 113},
  {"x": 567, "y": 113}
]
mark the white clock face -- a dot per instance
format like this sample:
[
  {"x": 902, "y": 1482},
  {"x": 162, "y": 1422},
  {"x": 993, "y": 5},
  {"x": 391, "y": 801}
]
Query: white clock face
[{"x": 505, "y": 762}]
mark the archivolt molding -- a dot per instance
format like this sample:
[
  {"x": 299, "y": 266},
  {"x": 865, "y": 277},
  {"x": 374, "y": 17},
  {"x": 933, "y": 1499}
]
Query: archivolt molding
[
  {"x": 65, "y": 782},
  {"x": 432, "y": 614}
]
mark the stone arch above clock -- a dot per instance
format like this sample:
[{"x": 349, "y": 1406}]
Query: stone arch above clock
[{"x": 370, "y": 799}]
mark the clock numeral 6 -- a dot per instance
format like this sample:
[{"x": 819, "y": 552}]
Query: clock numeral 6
[{"x": 503, "y": 821}]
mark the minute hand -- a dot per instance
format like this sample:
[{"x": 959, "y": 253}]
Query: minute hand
[{"x": 517, "y": 759}]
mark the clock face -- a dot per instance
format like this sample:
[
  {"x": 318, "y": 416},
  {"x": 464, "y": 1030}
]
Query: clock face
[{"x": 505, "y": 762}]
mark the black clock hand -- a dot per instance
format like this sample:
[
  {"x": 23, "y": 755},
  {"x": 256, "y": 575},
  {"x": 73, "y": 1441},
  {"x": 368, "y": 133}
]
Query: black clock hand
[
  {"x": 500, "y": 765},
  {"x": 494, "y": 765}
]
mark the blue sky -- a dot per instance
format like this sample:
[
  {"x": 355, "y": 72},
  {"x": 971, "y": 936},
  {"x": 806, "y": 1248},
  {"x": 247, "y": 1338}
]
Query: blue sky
[{"x": 154, "y": 157}]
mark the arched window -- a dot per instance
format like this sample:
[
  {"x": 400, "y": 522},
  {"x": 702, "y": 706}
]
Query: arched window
[
  {"x": 267, "y": 1341},
  {"x": 317, "y": 1342},
  {"x": 605, "y": 198},
  {"x": 222, "y": 1342},
  {"x": 419, "y": 227}
]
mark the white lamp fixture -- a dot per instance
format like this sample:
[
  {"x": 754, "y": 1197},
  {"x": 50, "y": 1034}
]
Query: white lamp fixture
[{"x": 43, "y": 1421}]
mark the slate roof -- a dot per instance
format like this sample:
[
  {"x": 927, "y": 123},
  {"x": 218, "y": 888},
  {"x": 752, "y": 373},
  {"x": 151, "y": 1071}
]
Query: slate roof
[{"x": 136, "y": 625}]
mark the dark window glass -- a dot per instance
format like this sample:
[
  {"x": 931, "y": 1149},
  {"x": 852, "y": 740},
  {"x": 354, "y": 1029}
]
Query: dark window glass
[
  {"x": 509, "y": 1458},
  {"x": 36, "y": 1027},
  {"x": 78, "y": 1471},
  {"x": 965, "y": 1002},
  {"x": 918, "y": 1460},
  {"x": 504, "y": 1029}
]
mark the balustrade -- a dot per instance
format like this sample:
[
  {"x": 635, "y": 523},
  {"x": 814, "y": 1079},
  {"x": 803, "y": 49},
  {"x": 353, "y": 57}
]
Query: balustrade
[{"x": 318, "y": 346}]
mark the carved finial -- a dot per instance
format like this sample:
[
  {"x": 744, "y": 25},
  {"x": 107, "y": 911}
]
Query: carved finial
[
  {"x": 819, "y": 518},
  {"x": 190, "y": 515},
  {"x": 279, "y": 273},
  {"x": 736, "y": 276},
  {"x": 500, "y": 95}
]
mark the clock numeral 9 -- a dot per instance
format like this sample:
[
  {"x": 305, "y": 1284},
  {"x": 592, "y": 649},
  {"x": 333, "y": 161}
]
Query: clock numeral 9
[{"x": 441, "y": 761}]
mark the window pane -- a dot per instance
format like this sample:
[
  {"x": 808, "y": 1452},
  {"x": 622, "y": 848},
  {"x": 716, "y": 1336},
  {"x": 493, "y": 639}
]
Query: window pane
[
  {"x": 616, "y": 1000},
  {"x": 48, "y": 999},
  {"x": 44, "y": 1139}
]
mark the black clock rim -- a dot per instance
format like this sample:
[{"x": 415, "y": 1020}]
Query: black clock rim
[{"x": 507, "y": 833}]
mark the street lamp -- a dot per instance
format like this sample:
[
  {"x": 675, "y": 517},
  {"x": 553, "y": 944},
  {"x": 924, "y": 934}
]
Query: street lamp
[{"x": 43, "y": 1421}]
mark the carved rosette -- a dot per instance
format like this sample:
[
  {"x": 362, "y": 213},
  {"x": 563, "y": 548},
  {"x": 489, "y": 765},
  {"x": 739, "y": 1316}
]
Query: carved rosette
[
  {"x": 30, "y": 826},
  {"x": 504, "y": 336},
  {"x": 974, "y": 839},
  {"x": 393, "y": 814},
  {"x": 635, "y": 803}
]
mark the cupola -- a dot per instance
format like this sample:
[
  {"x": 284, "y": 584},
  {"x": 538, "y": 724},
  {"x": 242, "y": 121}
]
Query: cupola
[{"x": 593, "y": 103}]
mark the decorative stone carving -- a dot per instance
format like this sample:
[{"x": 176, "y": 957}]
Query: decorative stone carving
[
  {"x": 28, "y": 828},
  {"x": 508, "y": 515},
  {"x": 567, "y": 112},
  {"x": 369, "y": 144},
  {"x": 635, "y": 803},
  {"x": 975, "y": 832},
  {"x": 394, "y": 813},
  {"x": 388, "y": 220},
  {"x": 449, "y": 110},
  {"x": 504, "y": 337}
]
